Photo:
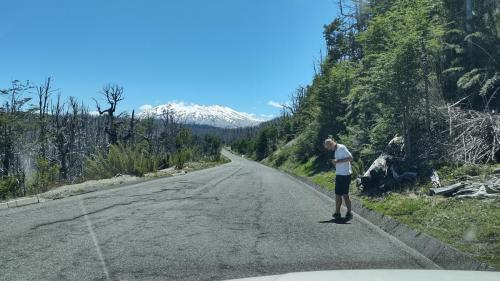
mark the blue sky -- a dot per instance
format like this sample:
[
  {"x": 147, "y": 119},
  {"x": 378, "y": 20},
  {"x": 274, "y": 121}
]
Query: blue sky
[{"x": 238, "y": 53}]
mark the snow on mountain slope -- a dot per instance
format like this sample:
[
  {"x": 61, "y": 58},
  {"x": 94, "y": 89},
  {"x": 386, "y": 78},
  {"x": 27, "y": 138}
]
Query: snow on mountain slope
[{"x": 213, "y": 115}]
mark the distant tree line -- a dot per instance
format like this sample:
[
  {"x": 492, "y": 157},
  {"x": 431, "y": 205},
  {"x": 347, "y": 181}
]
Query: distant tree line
[
  {"x": 426, "y": 70},
  {"x": 47, "y": 141}
]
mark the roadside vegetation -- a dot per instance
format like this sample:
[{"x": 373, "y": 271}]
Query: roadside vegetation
[
  {"x": 471, "y": 225},
  {"x": 423, "y": 74},
  {"x": 46, "y": 142},
  {"x": 467, "y": 224}
]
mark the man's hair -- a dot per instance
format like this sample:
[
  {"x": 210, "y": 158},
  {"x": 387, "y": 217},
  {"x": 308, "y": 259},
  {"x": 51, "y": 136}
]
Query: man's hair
[{"x": 329, "y": 140}]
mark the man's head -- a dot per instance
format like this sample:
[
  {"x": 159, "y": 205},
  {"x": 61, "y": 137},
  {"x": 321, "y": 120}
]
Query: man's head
[{"x": 330, "y": 144}]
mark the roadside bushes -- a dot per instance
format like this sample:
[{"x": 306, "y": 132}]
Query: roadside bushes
[
  {"x": 121, "y": 160},
  {"x": 282, "y": 155},
  {"x": 8, "y": 187},
  {"x": 212, "y": 146},
  {"x": 137, "y": 161},
  {"x": 181, "y": 157},
  {"x": 307, "y": 143},
  {"x": 244, "y": 146},
  {"x": 45, "y": 176}
]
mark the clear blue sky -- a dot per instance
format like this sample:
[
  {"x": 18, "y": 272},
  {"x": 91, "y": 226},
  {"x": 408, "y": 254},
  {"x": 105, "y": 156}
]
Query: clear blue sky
[{"x": 237, "y": 53}]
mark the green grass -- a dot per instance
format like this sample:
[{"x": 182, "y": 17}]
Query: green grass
[
  {"x": 310, "y": 171},
  {"x": 470, "y": 225},
  {"x": 452, "y": 172},
  {"x": 324, "y": 179}
]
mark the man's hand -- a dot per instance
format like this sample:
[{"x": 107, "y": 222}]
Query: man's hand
[{"x": 334, "y": 161}]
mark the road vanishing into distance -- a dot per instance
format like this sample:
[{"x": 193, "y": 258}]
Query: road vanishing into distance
[{"x": 240, "y": 219}]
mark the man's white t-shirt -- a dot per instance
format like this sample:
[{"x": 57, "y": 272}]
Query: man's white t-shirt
[{"x": 344, "y": 168}]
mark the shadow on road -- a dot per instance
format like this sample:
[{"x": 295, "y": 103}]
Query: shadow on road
[{"x": 337, "y": 221}]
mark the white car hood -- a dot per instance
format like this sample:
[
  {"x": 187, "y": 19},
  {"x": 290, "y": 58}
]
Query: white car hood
[{"x": 382, "y": 275}]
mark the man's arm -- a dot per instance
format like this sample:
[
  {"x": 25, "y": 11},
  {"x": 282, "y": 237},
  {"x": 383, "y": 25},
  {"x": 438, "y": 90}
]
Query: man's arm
[
  {"x": 348, "y": 157},
  {"x": 343, "y": 160}
]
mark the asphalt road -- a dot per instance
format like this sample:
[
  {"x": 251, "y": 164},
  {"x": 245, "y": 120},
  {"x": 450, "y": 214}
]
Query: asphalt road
[{"x": 237, "y": 220}]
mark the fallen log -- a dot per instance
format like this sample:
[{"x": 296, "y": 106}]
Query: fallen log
[
  {"x": 466, "y": 190},
  {"x": 447, "y": 190},
  {"x": 404, "y": 177},
  {"x": 385, "y": 172},
  {"x": 377, "y": 171},
  {"x": 481, "y": 193},
  {"x": 493, "y": 181},
  {"x": 493, "y": 189}
]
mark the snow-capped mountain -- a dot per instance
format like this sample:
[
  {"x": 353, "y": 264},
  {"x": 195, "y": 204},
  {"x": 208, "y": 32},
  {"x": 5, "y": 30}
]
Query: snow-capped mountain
[{"x": 213, "y": 115}]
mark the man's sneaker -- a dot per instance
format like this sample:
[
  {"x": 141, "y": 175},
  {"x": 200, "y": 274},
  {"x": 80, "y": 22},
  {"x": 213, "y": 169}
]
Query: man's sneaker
[
  {"x": 336, "y": 216},
  {"x": 348, "y": 216}
]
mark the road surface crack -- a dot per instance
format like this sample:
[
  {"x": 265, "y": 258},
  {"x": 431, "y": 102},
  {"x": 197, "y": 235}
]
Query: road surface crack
[
  {"x": 85, "y": 214},
  {"x": 260, "y": 233}
]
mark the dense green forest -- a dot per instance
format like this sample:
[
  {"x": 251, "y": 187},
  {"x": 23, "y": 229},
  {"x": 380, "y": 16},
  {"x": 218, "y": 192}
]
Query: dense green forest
[
  {"x": 46, "y": 141},
  {"x": 425, "y": 70}
]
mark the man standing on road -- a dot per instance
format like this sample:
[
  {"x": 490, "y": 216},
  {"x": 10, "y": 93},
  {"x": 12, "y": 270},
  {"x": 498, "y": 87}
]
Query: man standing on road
[{"x": 342, "y": 162}]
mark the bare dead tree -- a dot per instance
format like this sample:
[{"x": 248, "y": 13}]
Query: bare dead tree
[
  {"x": 170, "y": 128},
  {"x": 113, "y": 94},
  {"x": 60, "y": 122},
  {"x": 74, "y": 129},
  {"x": 130, "y": 136},
  {"x": 12, "y": 128},
  {"x": 317, "y": 63},
  {"x": 44, "y": 92},
  {"x": 297, "y": 100},
  {"x": 12, "y": 125},
  {"x": 352, "y": 13}
]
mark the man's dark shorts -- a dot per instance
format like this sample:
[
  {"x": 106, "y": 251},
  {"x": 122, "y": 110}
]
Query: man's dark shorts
[{"x": 342, "y": 184}]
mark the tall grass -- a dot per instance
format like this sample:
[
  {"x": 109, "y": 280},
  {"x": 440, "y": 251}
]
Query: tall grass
[{"x": 121, "y": 160}]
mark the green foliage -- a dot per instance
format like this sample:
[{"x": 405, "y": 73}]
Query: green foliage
[
  {"x": 9, "y": 187},
  {"x": 491, "y": 85},
  {"x": 475, "y": 51},
  {"x": 451, "y": 172},
  {"x": 212, "y": 146},
  {"x": 244, "y": 146},
  {"x": 184, "y": 139},
  {"x": 307, "y": 144},
  {"x": 471, "y": 79},
  {"x": 267, "y": 142},
  {"x": 389, "y": 92},
  {"x": 331, "y": 90},
  {"x": 181, "y": 157},
  {"x": 358, "y": 168},
  {"x": 282, "y": 155},
  {"x": 121, "y": 160},
  {"x": 366, "y": 97},
  {"x": 45, "y": 176}
]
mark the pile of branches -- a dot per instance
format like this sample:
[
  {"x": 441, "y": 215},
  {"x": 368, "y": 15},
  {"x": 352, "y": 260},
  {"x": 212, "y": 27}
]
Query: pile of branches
[{"x": 474, "y": 136}]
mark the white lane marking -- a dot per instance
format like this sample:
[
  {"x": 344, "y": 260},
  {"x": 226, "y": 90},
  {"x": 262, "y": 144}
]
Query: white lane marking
[{"x": 94, "y": 238}]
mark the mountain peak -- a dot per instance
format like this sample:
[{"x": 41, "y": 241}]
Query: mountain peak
[{"x": 212, "y": 115}]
